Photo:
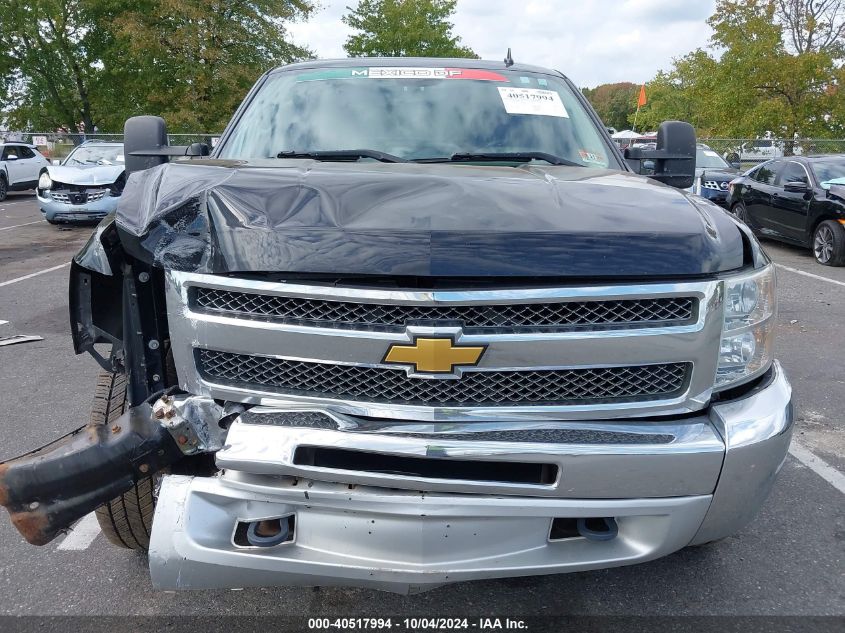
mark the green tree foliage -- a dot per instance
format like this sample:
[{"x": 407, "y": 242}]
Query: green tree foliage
[
  {"x": 49, "y": 53},
  {"x": 614, "y": 102},
  {"x": 198, "y": 58},
  {"x": 773, "y": 66},
  {"x": 685, "y": 94},
  {"x": 403, "y": 28},
  {"x": 97, "y": 62}
]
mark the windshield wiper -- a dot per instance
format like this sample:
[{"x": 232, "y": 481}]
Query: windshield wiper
[
  {"x": 510, "y": 157},
  {"x": 342, "y": 155}
]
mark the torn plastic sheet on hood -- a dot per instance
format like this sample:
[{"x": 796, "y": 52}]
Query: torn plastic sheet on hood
[{"x": 408, "y": 219}]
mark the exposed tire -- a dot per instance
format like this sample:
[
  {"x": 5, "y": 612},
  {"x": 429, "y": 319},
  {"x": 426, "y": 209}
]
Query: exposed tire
[
  {"x": 829, "y": 243},
  {"x": 4, "y": 187},
  {"x": 127, "y": 520},
  {"x": 741, "y": 213}
]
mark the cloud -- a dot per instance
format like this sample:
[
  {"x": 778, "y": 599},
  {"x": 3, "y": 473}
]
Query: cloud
[{"x": 591, "y": 41}]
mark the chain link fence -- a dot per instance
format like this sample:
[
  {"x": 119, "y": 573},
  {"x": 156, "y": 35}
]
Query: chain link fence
[
  {"x": 57, "y": 145},
  {"x": 751, "y": 151}
]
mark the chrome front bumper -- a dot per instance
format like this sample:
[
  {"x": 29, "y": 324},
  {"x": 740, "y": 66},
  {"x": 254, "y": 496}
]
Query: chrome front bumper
[
  {"x": 668, "y": 484},
  {"x": 87, "y": 212}
]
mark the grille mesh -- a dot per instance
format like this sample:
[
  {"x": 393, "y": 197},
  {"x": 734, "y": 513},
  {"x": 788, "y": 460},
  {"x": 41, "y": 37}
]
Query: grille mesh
[
  {"x": 658, "y": 311},
  {"x": 78, "y": 197},
  {"x": 372, "y": 384}
]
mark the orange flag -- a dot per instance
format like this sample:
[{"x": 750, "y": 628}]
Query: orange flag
[{"x": 642, "y": 100}]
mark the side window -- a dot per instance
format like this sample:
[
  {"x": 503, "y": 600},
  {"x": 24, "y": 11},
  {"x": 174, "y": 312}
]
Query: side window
[
  {"x": 793, "y": 172},
  {"x": 27, "y": 153},
  {"x": 766, "y": 174}
]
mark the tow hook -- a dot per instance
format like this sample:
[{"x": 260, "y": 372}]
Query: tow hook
[
  {"x": 265, "y": 532},
  {"x": 598, "y": 528}
]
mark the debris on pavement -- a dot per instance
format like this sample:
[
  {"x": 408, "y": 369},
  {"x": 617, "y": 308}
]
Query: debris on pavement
[{"x": 19, "y": 338}]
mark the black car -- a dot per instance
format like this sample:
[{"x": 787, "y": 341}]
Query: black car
[{"x": 798, "y": 200}]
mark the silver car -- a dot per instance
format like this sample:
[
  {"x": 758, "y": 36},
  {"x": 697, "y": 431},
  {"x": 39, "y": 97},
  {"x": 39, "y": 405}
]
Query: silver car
[{"x": 86, "y": 186}]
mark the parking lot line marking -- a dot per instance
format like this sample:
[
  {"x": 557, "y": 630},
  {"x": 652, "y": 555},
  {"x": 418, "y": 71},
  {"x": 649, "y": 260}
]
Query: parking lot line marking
[
  {"x": 818, "y": 466},
  {"x": 82, "y": 534},
  {"x": 811, "y": 275},
  {"x": 31, "y": 275},
  {"x": 6, "y": 228}
]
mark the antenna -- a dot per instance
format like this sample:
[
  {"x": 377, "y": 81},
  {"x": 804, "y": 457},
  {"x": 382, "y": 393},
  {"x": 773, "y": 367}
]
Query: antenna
[{"x": 509, "y": 59}]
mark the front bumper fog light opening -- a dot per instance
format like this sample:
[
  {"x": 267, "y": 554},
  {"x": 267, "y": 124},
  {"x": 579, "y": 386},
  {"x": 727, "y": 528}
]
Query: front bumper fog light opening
[
  {"x": 590, "y": 528},
  {"x": 265, "y": 532}
]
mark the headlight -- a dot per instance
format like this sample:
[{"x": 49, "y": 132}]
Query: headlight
[
  {"x": 44, "y": 181},
  {"x": 711, "y": 184},
  {"x": 748, "y": 331}
]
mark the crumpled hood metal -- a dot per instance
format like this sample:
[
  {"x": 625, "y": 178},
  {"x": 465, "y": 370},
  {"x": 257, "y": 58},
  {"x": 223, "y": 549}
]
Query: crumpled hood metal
[
  {"x": 93, "y": 175},
  {"x": 441, "y": 220}
]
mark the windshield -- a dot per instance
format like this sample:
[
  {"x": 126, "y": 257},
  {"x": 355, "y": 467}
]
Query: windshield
[
  {"x": 96, "y": 155},
  {"x": 828, "y": 170},
  {"x": 417, "y": 113},
  {"x": 708, "y": 159}
]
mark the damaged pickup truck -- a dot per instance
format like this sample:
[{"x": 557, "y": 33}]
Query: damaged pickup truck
[{"x": 413, "y": 322}]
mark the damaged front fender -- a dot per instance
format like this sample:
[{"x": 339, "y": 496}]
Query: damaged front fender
[{"x": 46, "y": 490}]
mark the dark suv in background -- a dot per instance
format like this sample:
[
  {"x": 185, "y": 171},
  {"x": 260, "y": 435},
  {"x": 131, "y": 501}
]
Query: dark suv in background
[
  {"x": 712, "y": 175},
  {"x": 798, "y": 200}
]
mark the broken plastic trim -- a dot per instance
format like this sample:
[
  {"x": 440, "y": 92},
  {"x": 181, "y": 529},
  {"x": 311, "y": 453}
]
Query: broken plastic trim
[
  {"x": 46, "y": 490},
  {"x": 194, "y": 422}
]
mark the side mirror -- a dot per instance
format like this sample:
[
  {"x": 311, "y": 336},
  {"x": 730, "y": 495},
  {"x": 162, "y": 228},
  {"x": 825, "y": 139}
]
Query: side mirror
[
  {"x": 143, "y": 137},
  {"x": 796, "y": 187},
  {"x": 145, "y": 144},
  {"x": 11, "y": 157},
  {"x": 674, "y": 158},
  {"x": 56, "y": 161},
  {"x": 198, "y": 149}
]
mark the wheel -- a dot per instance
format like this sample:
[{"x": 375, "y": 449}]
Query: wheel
[
  {"x": 829, "y": 243},
  {"x": 127, "y": 520},
  {"x": 741, "y": 213},
  {"x": 4, "y": 187}
]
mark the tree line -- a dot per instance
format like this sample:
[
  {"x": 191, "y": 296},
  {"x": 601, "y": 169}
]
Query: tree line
[
  {"x": 90, "y": 64},
  {"x": 771, "y": 67}
]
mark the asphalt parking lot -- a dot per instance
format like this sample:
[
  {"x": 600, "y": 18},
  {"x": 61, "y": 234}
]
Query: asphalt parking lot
[{"x": 789, "y": 561}]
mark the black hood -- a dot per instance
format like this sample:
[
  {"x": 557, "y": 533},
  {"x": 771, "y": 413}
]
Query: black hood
[{"x": 441, "y": 220}]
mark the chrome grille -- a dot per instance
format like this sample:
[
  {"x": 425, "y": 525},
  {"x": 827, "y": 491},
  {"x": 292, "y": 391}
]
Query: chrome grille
[
  {"x": 78, "y": 197},
  {"x": 619, "y": 312},
  {"x": 376, "y": 384}
]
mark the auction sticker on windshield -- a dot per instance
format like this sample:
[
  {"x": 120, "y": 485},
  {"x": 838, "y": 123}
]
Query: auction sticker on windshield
[{"x": 532, "y": 101}]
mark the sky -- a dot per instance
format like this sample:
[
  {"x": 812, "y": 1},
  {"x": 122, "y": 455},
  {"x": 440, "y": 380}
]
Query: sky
[{"x": 591, "y": 41}]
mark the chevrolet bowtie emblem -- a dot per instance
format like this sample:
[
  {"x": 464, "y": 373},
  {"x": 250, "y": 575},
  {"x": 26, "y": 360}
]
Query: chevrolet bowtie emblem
[{"x": 434, "y": 355}]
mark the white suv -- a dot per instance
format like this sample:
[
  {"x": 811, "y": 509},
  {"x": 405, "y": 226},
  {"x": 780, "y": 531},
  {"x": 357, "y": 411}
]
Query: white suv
[{"x": 20, "y": 166}]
